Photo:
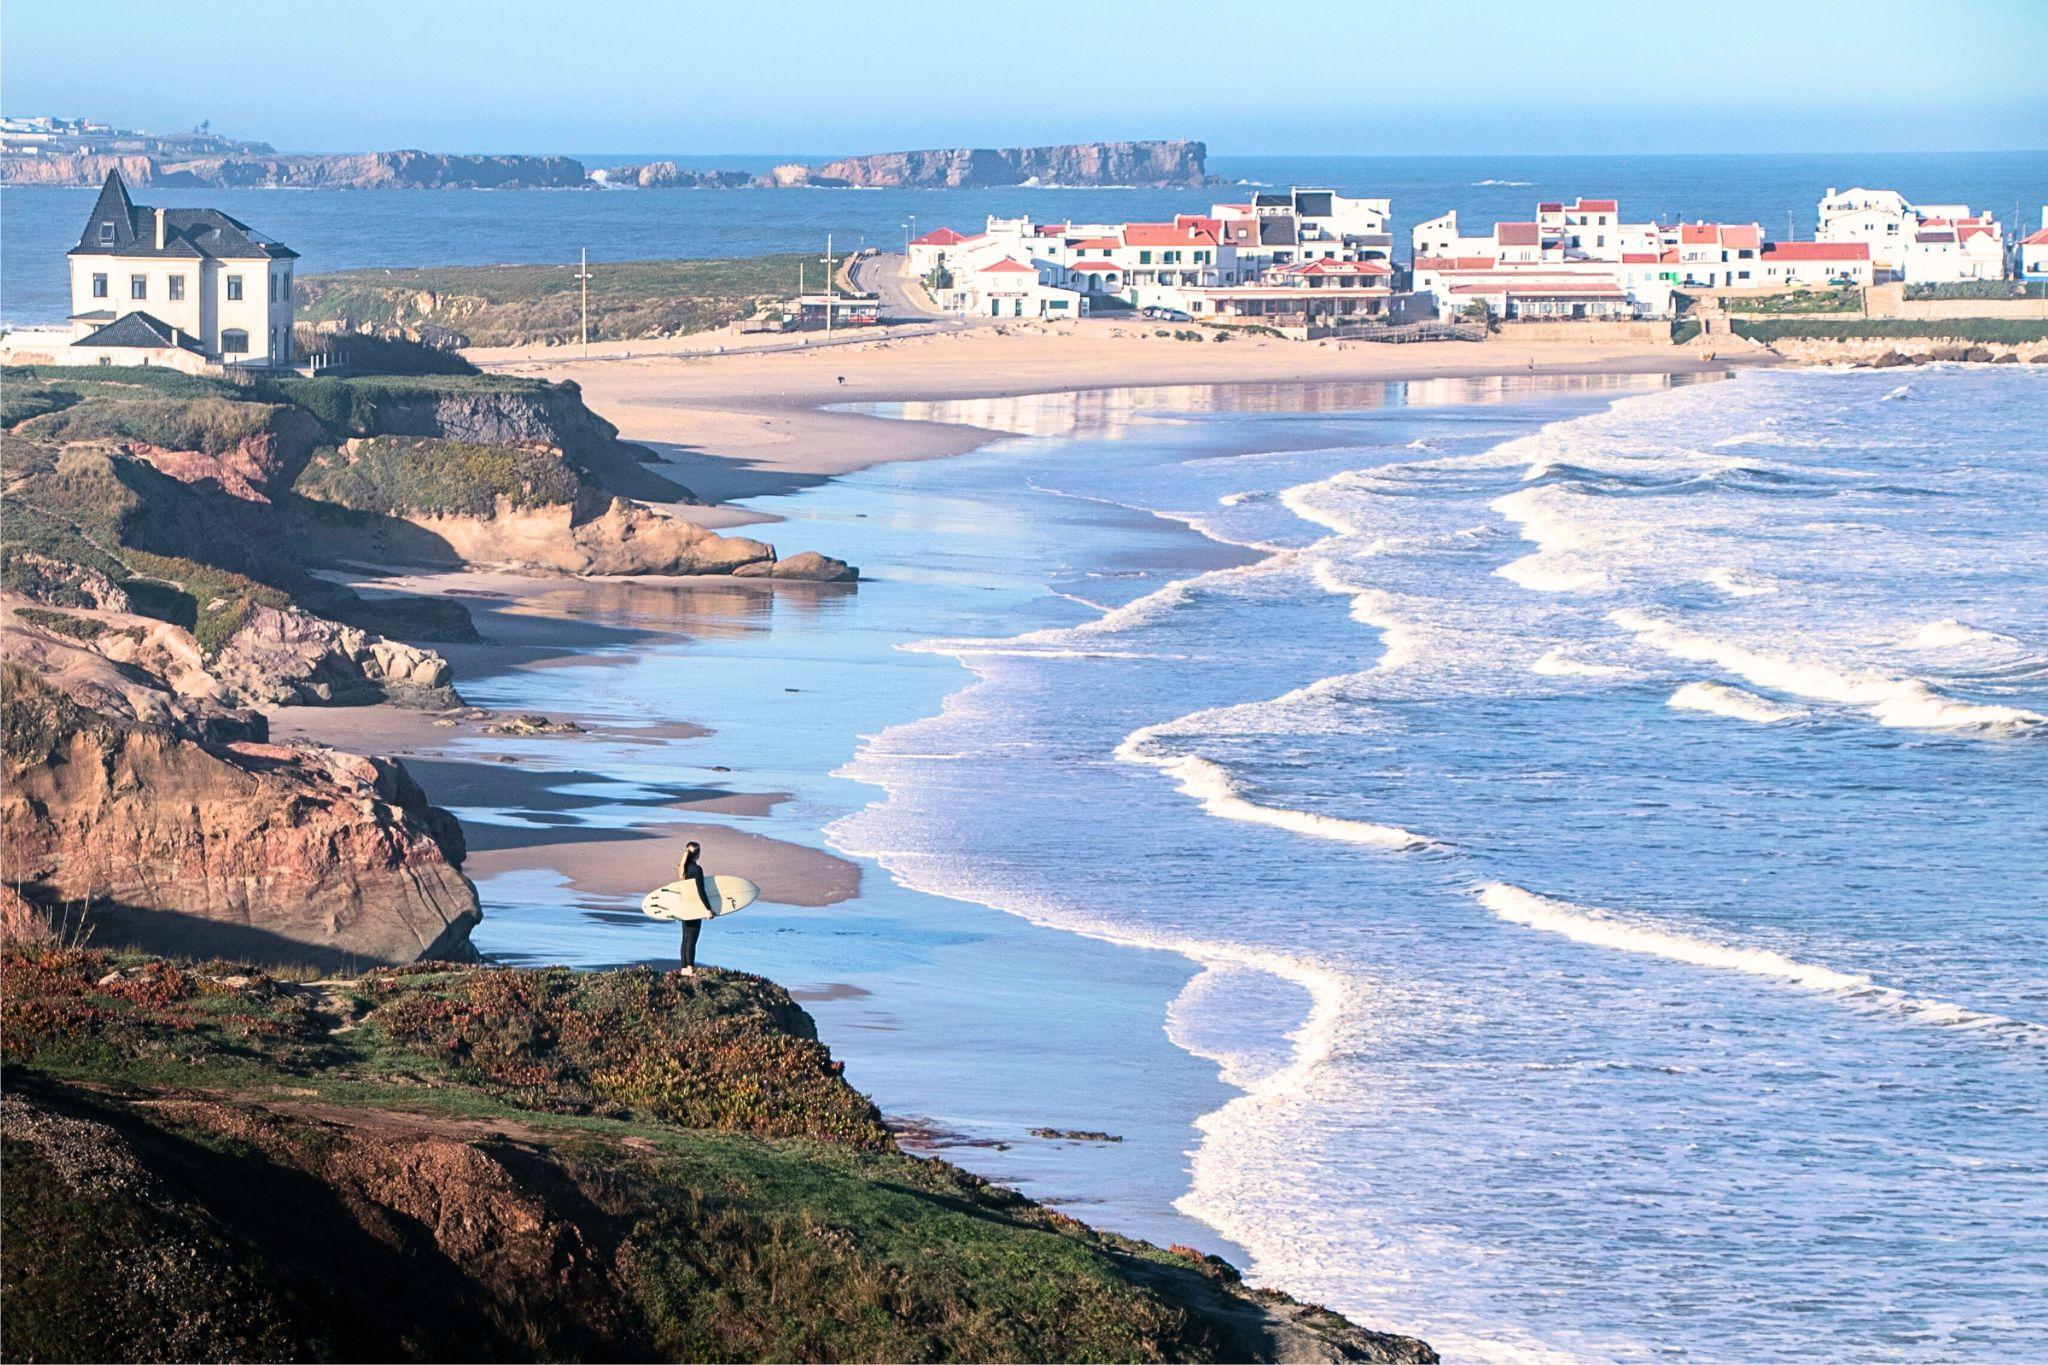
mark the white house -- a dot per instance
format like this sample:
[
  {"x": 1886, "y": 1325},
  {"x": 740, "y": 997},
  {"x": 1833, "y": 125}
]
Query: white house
[
  {"x": 183, "y": 287},
  {"x": 1918, "y": 243},
  {"x": 1007, "y": 288},
  {"x": 1816, "y": 264},
  {"x": 2034, "y": 252}
]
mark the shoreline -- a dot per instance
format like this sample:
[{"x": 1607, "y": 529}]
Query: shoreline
[{"x": 740, "y": 425}]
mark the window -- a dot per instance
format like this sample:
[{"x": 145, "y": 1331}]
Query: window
[
  {"x": 235, "y": 292},
  {"x": 106, "y": 232},
  {"x": 234, "y": 341},
  {"x": 177, "y": 283},
  {"x": 1144, "y": 258},
  {"x": 138, "y": 286},
  {"x": 99, "y": 286}
]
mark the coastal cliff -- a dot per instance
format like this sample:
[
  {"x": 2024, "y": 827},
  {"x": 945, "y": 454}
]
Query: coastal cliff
[
  {"x": 164, "y": 541},
  {"x": 1149, "y": 165},
  {"x": 191, "y": 835},
  {"x": 482, "y": 1163},
  {"x": 363, "y": 170}
]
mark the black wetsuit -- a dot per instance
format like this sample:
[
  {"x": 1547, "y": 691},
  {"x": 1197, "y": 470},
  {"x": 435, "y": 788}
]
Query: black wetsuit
[{"x": 693, "y": 927}]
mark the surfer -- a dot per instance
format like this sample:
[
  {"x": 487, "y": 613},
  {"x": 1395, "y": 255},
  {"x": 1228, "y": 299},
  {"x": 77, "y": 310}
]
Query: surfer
[{"x": 690, "y": 871}]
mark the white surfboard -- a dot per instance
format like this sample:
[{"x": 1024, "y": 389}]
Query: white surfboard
[{"x": 679, "y": 900}]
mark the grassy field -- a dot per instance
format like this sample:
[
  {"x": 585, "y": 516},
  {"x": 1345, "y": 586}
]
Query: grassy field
[
  {"x": 440, "y": 1162},
  {"x": 504, "y": 305}
]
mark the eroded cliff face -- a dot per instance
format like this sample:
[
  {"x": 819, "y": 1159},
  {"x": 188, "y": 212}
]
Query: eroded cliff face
[
  {"x": 1150, "y": 164},
  {"x": 176, "y": 835}
]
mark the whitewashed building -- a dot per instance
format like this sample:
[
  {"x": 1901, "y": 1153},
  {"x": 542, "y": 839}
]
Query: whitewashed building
[
  {"x": 1917, "y": 243},
  {"x": 1816, "y": 265},
  {"x": 2034, "y": 252},
  {"x": 189, "y": 288}
]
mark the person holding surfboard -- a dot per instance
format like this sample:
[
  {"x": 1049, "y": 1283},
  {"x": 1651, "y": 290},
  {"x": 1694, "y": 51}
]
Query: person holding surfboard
[
  {"x": 695, "y": 896},
  {"x": 690, "y": 871}
]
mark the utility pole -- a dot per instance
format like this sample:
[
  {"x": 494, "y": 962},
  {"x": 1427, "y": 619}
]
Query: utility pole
[
  {"x": 583, "y": 279},
  {"x": 828, "y": 286},
  {"x": 909, "y": 228}
]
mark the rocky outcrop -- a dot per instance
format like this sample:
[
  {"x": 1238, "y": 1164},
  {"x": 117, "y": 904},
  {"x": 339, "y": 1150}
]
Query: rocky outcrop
[
  {"x": 1147, "y": 164},
  {"x": 358, "y": 171},
  {"x": 666, "y": 175},
  {"x": 202, "y": 848},
  {"x": 622, "y": 539},
  {"x": 806, "y": 566}
]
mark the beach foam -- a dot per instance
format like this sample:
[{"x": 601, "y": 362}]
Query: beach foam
[
  {"x": 1733, "y": 702},
  {"x": 1906, "y": 703},
  {"x": 1605, "y": 929}
]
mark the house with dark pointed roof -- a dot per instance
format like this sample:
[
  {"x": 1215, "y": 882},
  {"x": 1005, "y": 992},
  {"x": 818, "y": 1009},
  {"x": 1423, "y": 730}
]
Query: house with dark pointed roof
[{"x": 183, "y": 287}]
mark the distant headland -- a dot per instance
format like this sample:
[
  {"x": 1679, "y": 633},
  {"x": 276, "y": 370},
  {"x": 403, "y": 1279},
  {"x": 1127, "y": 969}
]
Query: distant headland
[{"x": 81, "y": 153}]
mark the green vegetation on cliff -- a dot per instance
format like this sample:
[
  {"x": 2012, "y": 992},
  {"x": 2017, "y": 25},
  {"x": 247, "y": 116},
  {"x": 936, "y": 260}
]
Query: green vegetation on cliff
[
  {"x": 479, "y": 1163},
  {"x": 396, "y": 475},
  {"x": 509, "y": 305}
]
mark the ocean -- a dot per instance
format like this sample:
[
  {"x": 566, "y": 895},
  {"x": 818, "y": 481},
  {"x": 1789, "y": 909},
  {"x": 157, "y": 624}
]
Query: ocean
[
  {"x": 348, "y": 229},
  {"x": 1553, "y": 866}
]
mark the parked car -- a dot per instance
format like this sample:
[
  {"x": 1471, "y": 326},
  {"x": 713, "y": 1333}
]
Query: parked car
[{"x": 1159, "y": 314}]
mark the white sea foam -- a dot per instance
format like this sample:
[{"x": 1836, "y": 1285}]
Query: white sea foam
[
  {"x": 1949, "y": 633},
  {"x": 1606, "y": 929},
  {"x": 1554, "y": 567},
  {"x": 1235, "y": 499},
  {"x": 1559, "y": 663},
  {"x": 1376, "y": 608},
  {"x": 1212, "y": 789},
  {"x": 1298, "y": 500},
  {"x": 1906, "y": 703},
  {"x": 1733, "y": 702},
  {"x": 1736, "y": 583}
]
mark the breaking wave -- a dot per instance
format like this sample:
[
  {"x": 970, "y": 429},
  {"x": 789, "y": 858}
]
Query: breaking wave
[
  {"x": 1605, "y": 929},
  {"x": 1733, "y": 702}
]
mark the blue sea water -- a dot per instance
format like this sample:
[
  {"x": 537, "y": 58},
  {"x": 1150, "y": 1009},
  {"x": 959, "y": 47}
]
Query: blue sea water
[
  {"x": 1583, "y": 841},
  {"x": 347, "y": 229}
]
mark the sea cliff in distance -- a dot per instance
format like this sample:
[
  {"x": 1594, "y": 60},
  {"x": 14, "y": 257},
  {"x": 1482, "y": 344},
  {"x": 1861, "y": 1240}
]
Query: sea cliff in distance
[{"x": 73, "y": 161}]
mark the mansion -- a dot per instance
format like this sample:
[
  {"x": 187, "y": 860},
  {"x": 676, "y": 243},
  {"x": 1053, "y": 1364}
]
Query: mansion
[{"x": 192, "y": 289}]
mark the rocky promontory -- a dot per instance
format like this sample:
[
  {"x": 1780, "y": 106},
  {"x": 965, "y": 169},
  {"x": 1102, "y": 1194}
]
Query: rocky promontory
[{"x": 347, "y": 171}]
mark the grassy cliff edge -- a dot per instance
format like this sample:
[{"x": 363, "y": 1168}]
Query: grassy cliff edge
[{"x": 482, "y": 1163}]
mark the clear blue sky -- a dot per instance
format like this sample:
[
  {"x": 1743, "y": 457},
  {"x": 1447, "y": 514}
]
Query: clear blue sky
[{"x": 773, "y": 76}]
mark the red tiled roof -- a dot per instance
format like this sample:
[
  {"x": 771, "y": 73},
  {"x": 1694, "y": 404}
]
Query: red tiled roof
[
  {"x": 1455, "y": 263},
  {"x": 2038, "y": 239},
  {"x": 1742, "y": 235},
  {"x": 1698, "y": 234},
  {"x": 1093, "y": 243},
  {"x": 1324, "y": 267},
  {"x": 1817, "y": 251},
  {"x": 1550, "y": 208},
  {"x": 1166, "y": 234},
  {"x": 1517, "y": 234},
  {"x": 1052, "y": 229},
  {"x": 944, "y": 236},
  {"x": 1597, "y": 206},
  {"x": 1196, "y": 220},
  {"x": 1640, "y": 258},
  {"x": 1096, "y": 265},
  {"x": 1008, "y": 267}
]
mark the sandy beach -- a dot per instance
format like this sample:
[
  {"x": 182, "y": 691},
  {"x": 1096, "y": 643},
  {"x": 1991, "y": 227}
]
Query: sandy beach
[{"x": 746, "y": 423}]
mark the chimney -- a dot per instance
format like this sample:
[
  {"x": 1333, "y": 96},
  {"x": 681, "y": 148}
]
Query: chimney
[{"x": 159, "y": 229}]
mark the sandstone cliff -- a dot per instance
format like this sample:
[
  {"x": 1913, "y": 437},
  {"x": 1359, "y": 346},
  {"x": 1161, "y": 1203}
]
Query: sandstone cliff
[
  {"x": 173, "y": 834},
  {"x": 1147, "y": 164}
]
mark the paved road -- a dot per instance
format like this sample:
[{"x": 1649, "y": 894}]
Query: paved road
[{"x": 886, "y": 274}]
